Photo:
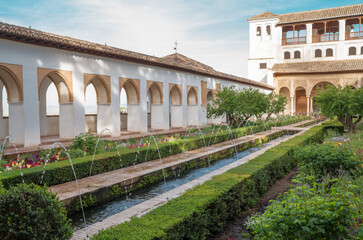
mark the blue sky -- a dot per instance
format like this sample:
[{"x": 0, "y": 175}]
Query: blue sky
[{"x": 212, "y": 32}]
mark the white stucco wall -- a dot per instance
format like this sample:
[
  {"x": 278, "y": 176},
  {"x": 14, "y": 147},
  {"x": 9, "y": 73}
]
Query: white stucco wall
[
  {"x": 193, "y": 115},
  {"x": 157, "y": 110},
  {"x": 26, "y": 127},
  {"x": 176, "y": 115}
]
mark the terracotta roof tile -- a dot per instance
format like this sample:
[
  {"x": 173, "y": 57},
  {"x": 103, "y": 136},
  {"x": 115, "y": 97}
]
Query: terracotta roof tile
[
  {"x": 175, "y": 62},
  {"x": 313, "y": 15},
  {"x": 319, "y": 66},
  {"x": 264, "y": 15},
  {"x": 321, "y": 14}
]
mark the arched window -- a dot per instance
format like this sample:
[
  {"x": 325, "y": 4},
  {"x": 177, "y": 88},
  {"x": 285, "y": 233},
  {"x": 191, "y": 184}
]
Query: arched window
[
  {"x": 361, "y": 50},
  {"x": 318, "y": 53},
  {"x": 268, "y": 30},
  {"x": 297, "y": 54},
  {"x": 287, "y": 55},
  {"x": 258, "y": 31},
  {"x": 352, "y": 51},
  {"x": 329, "y": 52}
]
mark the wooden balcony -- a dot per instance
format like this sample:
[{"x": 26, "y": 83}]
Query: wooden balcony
[
  {"x": 325, "y": 38},
  {"x": 354, "y": 35},
  {"x": 293, "y": 40}
]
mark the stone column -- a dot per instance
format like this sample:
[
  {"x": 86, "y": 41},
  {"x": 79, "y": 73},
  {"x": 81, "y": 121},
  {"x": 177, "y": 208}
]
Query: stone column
[
  {"x": 115, "y": 126},
  {"x": 307, "y": 105},
  {"x": 185, "y": 104},
  {"x": 17, "y": 125},
  {"x": 292, "y": 105},
  {"x": 79, "y": 112},
  {"x": 66, "y": 115},
  {"x": 3, "y": 125},
  {"x": 25, "y": 116},
  {"x": 166, "y": 105},
  {"x": 342, "y": 30},
  {"x": 143, "y": 105},
  {"x": 202, "y": 115},
  {"x": 309, "y": 33},
  {"x": 104, "y": 118}
]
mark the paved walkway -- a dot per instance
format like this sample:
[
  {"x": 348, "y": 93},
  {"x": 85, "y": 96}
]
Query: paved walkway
[{"x": 148, "y": 205}]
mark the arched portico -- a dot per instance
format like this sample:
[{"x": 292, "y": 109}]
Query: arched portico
[
  {"x": 102, "y": 87},
  {"x": 301, "y": 89},
  {"x": 285, "y": 91},
  {"x": 175, "y": 104},
  {"x": 11, "y": 82},
  {"x": 130, "y": 120},
  {"x": 192, "y": 99},
  {"x": 155, "y": 105},
  {"x": 321, "y": 86},
  {"x": 61, "y": 125}
]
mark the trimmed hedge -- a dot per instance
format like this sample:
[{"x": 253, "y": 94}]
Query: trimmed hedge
[
  {"x": 61, "y": 172},
  {"x": 204, "y": 210}
]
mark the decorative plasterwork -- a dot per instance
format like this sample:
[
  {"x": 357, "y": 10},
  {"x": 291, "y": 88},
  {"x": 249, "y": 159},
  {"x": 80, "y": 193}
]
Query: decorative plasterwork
[
  {"x": 16, "y": 71},
  {"x": 313, "y": 82},
  {"x": 159, "y": 85},
  {"x": 106, "y": 82},
  {"x": 195, "y": 91},
  {"x": 63, "y": 75},
  {"x": 179, "y": 87},
  {"x": 136, "y": 84},
  {"x": 350, "y": 82},
  {"x": 283, "y": 83}
]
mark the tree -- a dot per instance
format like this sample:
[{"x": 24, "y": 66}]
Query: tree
[
  {"x": 344, "y": 103},
  {"x": 238, "y": 104},
  {"x": 252, "y": 103},
  {"x": 224, "y": 104},
  {"x": 276, "y": 104}
]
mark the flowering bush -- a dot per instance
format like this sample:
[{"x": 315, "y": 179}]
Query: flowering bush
[{"x": 27, "y": 161}]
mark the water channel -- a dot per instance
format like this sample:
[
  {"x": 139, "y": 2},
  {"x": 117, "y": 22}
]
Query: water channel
[{"x": 115, "y": 206}]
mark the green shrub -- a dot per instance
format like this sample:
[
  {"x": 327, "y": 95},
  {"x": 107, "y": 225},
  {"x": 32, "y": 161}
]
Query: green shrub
[
  {"x": 32, "y": 212},
  {"x": 308, "y": 213},
  {"x": 327, "y": 158}
]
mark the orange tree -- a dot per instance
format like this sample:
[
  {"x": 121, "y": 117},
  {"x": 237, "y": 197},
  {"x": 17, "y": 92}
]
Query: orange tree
[{"x": 344, "y": 103}]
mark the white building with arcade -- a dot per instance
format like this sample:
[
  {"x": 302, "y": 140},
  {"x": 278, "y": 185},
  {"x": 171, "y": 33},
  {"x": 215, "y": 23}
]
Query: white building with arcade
[{"x": 162, "y": 93}]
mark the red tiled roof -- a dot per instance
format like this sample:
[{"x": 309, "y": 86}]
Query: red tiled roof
[
  {"x": 313, "y": 15},
  {"x": 178, "y": 62},
  {"x": 319, "y": 66}
]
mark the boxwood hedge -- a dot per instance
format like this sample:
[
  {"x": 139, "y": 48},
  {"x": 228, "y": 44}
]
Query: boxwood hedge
[{"x": 203, "y": 211}]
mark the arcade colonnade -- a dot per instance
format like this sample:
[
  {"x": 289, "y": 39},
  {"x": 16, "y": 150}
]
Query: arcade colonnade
[
  {"x": 301, "y": 89},
  {"x": 170, "y": 104}
]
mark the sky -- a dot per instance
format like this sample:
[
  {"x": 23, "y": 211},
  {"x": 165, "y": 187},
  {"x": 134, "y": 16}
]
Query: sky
[{"x": 213, "y": 32}]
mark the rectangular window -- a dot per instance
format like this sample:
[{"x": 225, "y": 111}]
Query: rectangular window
[{"x": 263, "y": 65}]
